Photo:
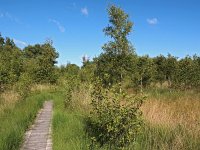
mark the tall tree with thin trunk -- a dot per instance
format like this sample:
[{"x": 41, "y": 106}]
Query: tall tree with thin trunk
[{"x": 113, "y": 64}]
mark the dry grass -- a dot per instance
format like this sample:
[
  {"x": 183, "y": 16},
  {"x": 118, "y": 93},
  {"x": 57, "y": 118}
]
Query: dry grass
[
  {"x": 81, "y": 98},
  {"x": 42, "y": 87},
  {"x": 179, "y": 114},
  {"x": 8, "y": 100},
  {"x": 172, "y": 120}
]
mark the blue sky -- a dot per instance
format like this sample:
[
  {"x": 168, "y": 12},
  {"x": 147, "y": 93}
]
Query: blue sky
[{"x": 75, "y": 26}]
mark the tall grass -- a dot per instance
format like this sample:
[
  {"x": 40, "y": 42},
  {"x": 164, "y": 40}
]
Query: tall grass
[
  {"x": 158, "y": 137},
  {"x": 15, "y": 121},
  {"x": 8, "y": 99},
  {"x": 174, "y": 108},
  {"x": 68, "y": 126},
  {"x": 172, "y": 121},
  {"x": 42, "y": 87}
]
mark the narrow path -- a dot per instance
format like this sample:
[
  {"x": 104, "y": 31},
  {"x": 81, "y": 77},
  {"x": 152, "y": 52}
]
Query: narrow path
[{"x": 39, "y": 136}]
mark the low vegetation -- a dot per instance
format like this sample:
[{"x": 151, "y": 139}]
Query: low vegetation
[
  {"x": 16, "y": 119},
  {"x": 172, "y": 120}
]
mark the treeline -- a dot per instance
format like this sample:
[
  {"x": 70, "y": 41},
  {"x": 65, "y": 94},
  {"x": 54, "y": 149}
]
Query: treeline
[
  {"x": 36, "y": 64},
  {"x": 141, "y": 71},
  {"x": 33, "y": 64}
]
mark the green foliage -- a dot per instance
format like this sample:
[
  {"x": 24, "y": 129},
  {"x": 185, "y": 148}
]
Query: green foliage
[
  {"x": 23, "y": 85},
  {"x": 160, "y": 63},
  {"x": 69, "y": 70},
  {"x": 113, "y": 64},
  {"x": 68, "y": 97},
  {"x": 40, "y": 61},
  {"x": 115, "y": 119},
  {"x": 143, "y": 73},
  {"x": 196, "y": 67},
  {"x": 87, "y": 71},
  {"x": 71, "y": 83},
  {"x": 35, "y": 63},
  {"x": 171, "y": 69},
  {"x": 10, "y": 63},
  {"x": 185, "y": 73}
]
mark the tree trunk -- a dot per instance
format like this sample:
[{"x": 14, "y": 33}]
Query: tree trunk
[
  {"x": 120, "y": 88},
  {"x": 141, "y": 85}
]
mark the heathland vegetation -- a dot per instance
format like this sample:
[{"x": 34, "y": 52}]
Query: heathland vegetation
[{"x": 118, "y": 100}]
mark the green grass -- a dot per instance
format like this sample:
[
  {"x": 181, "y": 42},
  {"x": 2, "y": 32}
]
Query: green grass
[
  {"x": 14, "y": 122},
  {"x": 162, "y": 138},
  {"x": 170, "y": 94},
  {"x": 68, "y": 126}
]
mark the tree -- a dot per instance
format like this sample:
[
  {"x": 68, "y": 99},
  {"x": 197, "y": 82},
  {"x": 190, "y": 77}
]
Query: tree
[
  {"x": 40, "y": 61},
  {"x": 115, "y": 62},
  {"x": 10, "y": 63},
  {"x": 1, "y": 41},
  {"x": 87, "y": 71},
  {"x": 144, "y": 72},
  {"x": 196, "y": 66},
  {"x": 185, "y": 73},
  {"x": 71, "y": 70},
  {"x": 171, "y": 67},
  {"x": 115, "y": 119},
  {"x": 160, "y": 64}
]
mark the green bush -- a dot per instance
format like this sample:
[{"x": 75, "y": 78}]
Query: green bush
[
  {"x": 23, "y": 85},
  {"x": 115, "y": 119},
  {"x": 70, "y": 84}
]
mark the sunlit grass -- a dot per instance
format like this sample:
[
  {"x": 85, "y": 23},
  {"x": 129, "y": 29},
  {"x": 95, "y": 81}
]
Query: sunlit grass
[
  {"x": 15, "y": 121},
  {"x": 8, "y": 99},
  {"x": 172, "y": 120},
  {"x": 16, "y": 116},
  {"x": 42, "y": 87},
  {"x": 174, "y": 108},
  {"x": 68, "y": 126}
]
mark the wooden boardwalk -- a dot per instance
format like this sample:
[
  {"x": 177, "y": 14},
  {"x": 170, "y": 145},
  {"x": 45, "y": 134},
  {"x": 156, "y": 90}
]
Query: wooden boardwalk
[{"x": 39, "y": 136}]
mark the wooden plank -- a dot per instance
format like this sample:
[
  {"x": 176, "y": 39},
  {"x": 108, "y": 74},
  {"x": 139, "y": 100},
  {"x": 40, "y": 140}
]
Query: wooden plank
[{"x": 39, "y": 136}]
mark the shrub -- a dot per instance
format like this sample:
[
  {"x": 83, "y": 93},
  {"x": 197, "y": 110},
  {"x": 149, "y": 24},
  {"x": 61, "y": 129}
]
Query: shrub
[
  {"x": 115, "y": 119},
  {"x": 23, "y": 86},
  {"x": 70, "y": 84}
]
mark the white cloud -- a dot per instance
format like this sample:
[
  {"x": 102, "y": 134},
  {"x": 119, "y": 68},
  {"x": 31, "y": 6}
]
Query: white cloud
[
  {"x": 19, "y": 43},
  {"x": 152, "y": 21},
  {"x": 60, "y": 27},
  {"x": 10, "y": 17},
  {"x": 84, "y": 11}
]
